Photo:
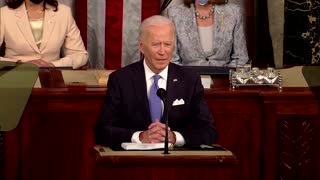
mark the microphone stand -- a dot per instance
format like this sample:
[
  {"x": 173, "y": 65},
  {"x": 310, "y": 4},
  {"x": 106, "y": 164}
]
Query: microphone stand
[
  {"x": 162, "y": 94},
  {"x": 166, "y": 139}
]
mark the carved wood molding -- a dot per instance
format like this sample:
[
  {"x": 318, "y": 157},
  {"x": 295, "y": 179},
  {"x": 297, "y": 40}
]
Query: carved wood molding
[{"x": 296, "y": 136}]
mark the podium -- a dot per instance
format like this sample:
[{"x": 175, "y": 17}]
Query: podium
[{"x": 186, "y": 164}]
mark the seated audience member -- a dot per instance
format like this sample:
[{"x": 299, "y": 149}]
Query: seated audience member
[
  {"x": 36, "y": 31},
  {"x": 128, "y": 114},
  {"x": 209, "y": 33}
]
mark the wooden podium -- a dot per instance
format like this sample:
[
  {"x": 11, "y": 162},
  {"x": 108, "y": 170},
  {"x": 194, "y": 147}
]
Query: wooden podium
[{"x": 155, "y": 165}]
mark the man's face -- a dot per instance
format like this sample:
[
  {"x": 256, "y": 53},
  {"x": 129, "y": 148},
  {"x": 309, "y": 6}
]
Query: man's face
[{"x": 157, "y": 45}]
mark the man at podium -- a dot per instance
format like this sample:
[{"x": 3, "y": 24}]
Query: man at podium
[{"x": 132, "y": 110}]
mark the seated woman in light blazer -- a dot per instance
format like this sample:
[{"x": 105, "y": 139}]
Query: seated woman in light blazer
[
  {"x": 209, "y": 33},
  {"x": 40, "y": 32}
]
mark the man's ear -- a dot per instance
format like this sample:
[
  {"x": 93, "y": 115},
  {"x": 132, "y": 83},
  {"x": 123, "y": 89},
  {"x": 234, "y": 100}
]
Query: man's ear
[{"x": 141, "y": 47}]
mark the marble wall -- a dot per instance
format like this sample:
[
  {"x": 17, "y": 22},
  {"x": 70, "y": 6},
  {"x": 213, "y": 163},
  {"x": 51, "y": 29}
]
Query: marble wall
[{"x": 301, "y": 32}]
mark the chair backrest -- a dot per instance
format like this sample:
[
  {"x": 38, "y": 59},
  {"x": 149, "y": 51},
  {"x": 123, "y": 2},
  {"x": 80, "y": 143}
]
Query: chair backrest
[{"x": 249, "y": 19}]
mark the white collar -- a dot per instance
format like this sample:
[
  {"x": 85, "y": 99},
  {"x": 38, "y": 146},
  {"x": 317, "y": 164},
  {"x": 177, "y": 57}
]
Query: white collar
[{"x": 149, "y": 74}]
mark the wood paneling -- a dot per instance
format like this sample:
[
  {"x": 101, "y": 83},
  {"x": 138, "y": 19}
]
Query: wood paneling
[
  {"x": 266, "y": 129},
  {"x": 291, "y": 140},
  {"x": 237, "y": 118},
  {"x": 54, "y": 136}
]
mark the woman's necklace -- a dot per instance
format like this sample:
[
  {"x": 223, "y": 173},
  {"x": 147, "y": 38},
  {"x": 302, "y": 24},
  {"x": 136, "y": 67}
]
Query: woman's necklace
[{"x": 206, "y": 16}]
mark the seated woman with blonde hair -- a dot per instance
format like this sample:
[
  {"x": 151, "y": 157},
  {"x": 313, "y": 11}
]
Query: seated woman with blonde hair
[
  {"x": 41, "y": 32},
  {"x": 209, "y": 33}
]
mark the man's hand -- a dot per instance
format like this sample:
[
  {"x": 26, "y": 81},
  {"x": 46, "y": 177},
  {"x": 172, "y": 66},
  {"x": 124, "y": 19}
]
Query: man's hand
[{"x": 156, "y": 133}]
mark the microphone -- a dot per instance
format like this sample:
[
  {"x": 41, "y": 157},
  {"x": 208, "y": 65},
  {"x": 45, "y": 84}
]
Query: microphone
[{"x": 162, "y": 94}]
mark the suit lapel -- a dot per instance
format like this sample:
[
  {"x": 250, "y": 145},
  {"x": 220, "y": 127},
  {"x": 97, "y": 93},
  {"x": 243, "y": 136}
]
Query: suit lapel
[
  {"x": 139, "y": 85},
  {"x": 48, "y": 27},
  {"x": 173, "y": 84},
  {"x": 219, "y": 24},
  {"x": 24, "y": 27},
  {"x": 140, "y": 88}
]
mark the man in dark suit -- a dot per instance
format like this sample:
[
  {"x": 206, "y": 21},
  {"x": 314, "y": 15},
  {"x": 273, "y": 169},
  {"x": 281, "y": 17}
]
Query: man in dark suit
[{"x": 126, "y": 115}]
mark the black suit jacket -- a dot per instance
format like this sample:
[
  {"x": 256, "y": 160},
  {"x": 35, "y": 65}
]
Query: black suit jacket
[{"x": 126, "y": 108}]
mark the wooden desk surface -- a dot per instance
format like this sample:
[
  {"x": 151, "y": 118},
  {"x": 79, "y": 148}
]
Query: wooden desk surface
[
  {"x": 107, "y": 155},
  {"x": 108, "y": 152},
  {"x": 292, "y": 77}
]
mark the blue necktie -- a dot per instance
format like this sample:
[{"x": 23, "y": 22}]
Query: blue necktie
[{"x": 154, "y": 100}]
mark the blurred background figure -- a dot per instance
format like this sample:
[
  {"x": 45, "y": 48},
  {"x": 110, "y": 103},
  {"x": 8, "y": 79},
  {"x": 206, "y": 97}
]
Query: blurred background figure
[
  {"x": 209, "y": 33},
  {"x": 41, "y": 32}
]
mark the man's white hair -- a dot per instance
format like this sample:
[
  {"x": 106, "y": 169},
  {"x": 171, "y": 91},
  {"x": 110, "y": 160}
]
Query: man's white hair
[{"x": 155, "y": 20}]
